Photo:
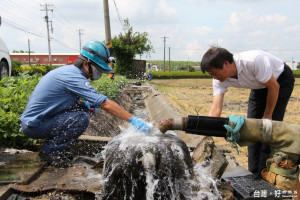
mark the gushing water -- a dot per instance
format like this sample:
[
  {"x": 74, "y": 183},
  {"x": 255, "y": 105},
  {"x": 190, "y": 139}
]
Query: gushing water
[{"x": 153, "y": 166}]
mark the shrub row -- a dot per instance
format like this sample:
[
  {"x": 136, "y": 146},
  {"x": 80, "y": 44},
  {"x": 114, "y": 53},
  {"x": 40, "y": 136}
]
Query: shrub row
[
  {"x": 17, "y": 68},
  {"x": 187, "y": 75},
  {"x": 296, "y": 73},
  {"x": 179, "y": 75}
]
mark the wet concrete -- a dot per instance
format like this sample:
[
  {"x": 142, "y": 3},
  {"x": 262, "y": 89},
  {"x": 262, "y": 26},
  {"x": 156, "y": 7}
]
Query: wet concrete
[
  {"x": 27, "y": 175},
  {"x": 18, "y": 167},
  {"x": 22, "y": 174}
]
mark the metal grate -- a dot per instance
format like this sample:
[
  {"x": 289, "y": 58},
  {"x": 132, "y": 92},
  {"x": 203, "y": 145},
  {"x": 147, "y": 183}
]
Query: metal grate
[{"x": 253, "y": 187}]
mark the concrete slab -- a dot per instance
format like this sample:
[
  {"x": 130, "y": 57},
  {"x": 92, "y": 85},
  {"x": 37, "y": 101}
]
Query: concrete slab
[
  {"x": 159, "y": 108},
  {"x": 80, "y": 178},
  {"x": 77, "y": 178},
  {"x": 235, "y": 172}
]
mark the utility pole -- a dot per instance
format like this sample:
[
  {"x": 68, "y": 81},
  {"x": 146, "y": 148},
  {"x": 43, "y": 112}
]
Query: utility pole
[
  {"x": 29, "y": 52},
  {"x": 47, "y": 24},
  {"x": 107, "y": 25},
  {"x": 165, "y": 53},
  {"x": 80, "y": 33},
  {"x": 169, "y": 59}
]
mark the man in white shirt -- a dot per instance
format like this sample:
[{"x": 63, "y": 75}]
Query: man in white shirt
[{"x": 271, "y": 82}]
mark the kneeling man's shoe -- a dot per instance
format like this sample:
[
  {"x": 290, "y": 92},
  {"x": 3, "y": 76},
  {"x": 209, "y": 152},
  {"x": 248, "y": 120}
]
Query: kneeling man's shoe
[{"x": 59, "y": 161}]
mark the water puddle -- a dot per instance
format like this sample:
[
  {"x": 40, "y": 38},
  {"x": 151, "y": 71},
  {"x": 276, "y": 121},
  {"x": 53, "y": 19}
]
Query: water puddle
[{"x": 18, "y": 167}]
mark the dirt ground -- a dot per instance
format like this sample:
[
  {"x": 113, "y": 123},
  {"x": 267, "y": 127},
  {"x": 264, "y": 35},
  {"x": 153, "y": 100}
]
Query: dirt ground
[{"x": 194, "y": 96}]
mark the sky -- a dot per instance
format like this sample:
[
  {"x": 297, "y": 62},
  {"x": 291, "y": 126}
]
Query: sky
[{"x": 190, "y": 27}]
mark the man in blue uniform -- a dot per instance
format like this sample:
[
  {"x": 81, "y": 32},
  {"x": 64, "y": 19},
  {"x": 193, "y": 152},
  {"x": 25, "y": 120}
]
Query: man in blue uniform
[
  {"x": 271, "y": 82},
  {"x": 55, "y": 113}
]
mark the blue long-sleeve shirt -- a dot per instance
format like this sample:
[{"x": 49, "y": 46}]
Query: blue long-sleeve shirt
[{"x": 58, "y": 91}]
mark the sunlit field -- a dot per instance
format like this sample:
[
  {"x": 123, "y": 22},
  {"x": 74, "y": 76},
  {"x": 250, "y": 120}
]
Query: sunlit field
[{"x": 194, "y": 96}]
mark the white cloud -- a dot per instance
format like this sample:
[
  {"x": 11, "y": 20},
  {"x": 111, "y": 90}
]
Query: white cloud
[
  {"x": 248, "y": 21},
  {"x": 292, "y": 29},
  {"x": 202, "y": 31},
  {"x": 271, "y": 20},
  {"x": 192, "y": 50},
  {"x": 191, "y": 25}
]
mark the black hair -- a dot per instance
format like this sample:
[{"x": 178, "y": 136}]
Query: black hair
[{"x": 215, "y": 57}]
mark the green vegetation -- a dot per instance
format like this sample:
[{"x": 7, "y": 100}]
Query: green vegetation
[
  {"x": 179, "y": 75},
  {"x": 175, "y": 65},
  {"x": 18, "y": 68},
  {"x": 191, "y": 74},
  {"x": 14, "y": 94},
  {"x": 21, "y": 51},
  {"x": 296, "y": 73},
  {"x": 127, "y": 46},
  {"x": 15, "y": 67},
  {"x": 108, "y": 87}
]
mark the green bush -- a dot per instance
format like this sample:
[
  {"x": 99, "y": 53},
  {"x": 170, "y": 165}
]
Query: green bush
[
  {"x": 191, "y": 69},
  {"x": 196, "y": 74},
  {"x": 14, "y": 93},
  {"x": 15, "y": 67},
  {"x": 179, "y": 75},
  {"x": 34, "y": 69},
  {"x": 296, "y": 73},
  {"x": 109, "y": 87}
]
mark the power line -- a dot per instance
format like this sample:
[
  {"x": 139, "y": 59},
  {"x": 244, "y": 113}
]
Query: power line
[
  {"x": 182, "y": 48},
  {"x": 18, "y": 11},
  {"x": 14, "y": 11},
  {"x": 16, "y": 26},
  {"x": 64, "y": 44},
  {"x": 119, "y": 16},
  {"x": 68, "y": 22}
]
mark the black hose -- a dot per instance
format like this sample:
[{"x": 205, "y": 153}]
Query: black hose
[{"x": 209, "y": 126}]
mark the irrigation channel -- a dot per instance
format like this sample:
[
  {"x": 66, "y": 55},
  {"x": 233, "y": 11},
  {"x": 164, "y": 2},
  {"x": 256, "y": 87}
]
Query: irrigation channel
[{"x": 115, "y": 162}]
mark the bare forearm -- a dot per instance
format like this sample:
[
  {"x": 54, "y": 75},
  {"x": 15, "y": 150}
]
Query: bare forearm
[
  {"x": 214, "y": 112},
  {"x": 216, "y": 107},
  {"x": 271, "y": 103},
  {"x": 114, "y": 109},
  {"x": 272, "y": 96}
]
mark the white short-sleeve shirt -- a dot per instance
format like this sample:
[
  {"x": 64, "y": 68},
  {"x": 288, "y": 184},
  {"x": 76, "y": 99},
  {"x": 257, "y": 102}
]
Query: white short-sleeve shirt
[{"x": 254, "y": 68}]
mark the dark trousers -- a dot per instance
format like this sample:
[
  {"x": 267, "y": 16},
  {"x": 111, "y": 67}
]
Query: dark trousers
[
  {"x": 59, "y": 131},
  {"x": 259, "y": 152}
]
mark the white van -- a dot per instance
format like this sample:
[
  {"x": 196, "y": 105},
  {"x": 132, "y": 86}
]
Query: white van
[{"x": 5, "y": 63}]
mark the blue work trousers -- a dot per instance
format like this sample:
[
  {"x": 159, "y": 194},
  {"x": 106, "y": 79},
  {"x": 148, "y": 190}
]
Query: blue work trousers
[{"x": 59, "y": 131}]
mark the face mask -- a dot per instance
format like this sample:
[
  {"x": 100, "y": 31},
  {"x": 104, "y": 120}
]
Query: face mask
[{"x": 96, "y": 74}]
